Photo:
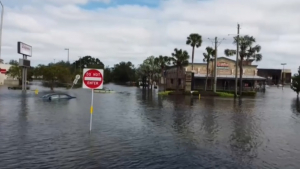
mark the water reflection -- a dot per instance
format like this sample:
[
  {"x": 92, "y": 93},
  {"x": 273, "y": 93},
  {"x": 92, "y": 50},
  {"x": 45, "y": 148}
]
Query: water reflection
[
  {"x": 243, "y": 141},
  {"x": 295, "y": 106},
  {"x": 209, "y": 123},
  {"x": 140, "y": 129}
]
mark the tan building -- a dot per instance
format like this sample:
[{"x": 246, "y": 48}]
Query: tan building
[{"x": 225, "y": 75}]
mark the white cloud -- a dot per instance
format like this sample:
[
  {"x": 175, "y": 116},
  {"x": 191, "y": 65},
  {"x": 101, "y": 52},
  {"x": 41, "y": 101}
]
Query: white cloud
[{"x": 132, "y": 32}]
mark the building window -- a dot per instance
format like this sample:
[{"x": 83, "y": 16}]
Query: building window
[
  {"x": 179, "y": 81},
  {"x": 171, "y": 81}
]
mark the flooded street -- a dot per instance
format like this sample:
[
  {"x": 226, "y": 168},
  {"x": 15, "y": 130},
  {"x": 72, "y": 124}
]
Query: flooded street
[{"x": 136, "y": 129}]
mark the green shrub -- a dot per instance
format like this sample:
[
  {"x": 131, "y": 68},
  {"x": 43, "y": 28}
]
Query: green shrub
[
  {"x": 165, "y": 92},
  {"x": 223, "y": 94},
  {"x": 249, "y": 93},
  {"x": 244, "y": 93}
]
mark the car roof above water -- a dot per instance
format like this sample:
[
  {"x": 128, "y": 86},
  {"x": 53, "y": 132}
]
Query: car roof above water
[{"x": 50, "y": 94}]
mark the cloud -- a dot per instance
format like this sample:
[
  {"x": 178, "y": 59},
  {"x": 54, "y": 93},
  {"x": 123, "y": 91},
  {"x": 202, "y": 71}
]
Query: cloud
[{"x": 132, "y": 32}]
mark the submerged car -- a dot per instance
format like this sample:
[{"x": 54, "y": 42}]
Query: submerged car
[{"x": 56, "y": 96}]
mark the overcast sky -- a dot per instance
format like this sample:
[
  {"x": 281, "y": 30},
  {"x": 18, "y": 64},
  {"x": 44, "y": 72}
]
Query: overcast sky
[{"x": 131, "y": 30}]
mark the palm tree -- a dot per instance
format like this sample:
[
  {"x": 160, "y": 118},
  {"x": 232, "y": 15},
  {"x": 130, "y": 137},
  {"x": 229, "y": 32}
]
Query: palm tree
[
  {"x": 195, "y": 40},
  {"x": 162, "y": 62},
  {"x": 208, "y": 56},
  {"x": 180, "y": 59},
  {"x": 151, "y": 68},
  {"x": 246, "y": 51}
]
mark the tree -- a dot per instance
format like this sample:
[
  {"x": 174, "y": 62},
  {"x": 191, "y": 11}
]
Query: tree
[
  {"x": 13, "y": 62},
  {"x": 180, "y": 59},
  {"x": 162, "y": 62},
  {"x": 195, "y": 40},
  {"x": 15, "y": 72},
  {"x": 208, "y": 56},
  {"x": 88, "y": 62},
  {"x": 151, "y": 68},
  {"x": 123, "y": 72},
  {"x": 246, "y": 51},
  {"x": 55, "y": 73},
  {"x": 108, "y": 73},
  {"x": 296, "y": 82}
]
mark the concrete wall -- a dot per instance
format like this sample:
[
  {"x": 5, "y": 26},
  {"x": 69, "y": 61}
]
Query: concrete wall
[{"x": 3, "y": 76}]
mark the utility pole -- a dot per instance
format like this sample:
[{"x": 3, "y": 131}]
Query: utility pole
[
  {"x": 216, "y": 43},
  {"x": 237, "y": 59},
  {"x": 68, "y": 53},
  {"x": 215, "y": 74},
  {"x": 2, "y": 12}
]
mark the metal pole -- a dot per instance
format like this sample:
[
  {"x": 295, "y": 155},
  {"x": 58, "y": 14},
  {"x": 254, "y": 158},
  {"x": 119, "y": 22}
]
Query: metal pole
[
  {"x": 25, "y": 76},
  {"x": 68, "y": 55},
  {"x": 216, "y": 55},
  {"x": 237, "y": 59},
  {"x": 282, "y": 76},
  {"x": 1, "y": 28},
  {"x": 91, "y": 117}
]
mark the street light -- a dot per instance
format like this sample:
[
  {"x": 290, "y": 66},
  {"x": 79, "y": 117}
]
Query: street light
[
  {"x": 1, "y": 29},
  {"x": 68, "y": 53},
  {"x": 282, "y": 73}
]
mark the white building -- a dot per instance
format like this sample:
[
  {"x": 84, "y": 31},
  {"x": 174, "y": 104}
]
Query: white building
[{"x": 3, "y": 69}]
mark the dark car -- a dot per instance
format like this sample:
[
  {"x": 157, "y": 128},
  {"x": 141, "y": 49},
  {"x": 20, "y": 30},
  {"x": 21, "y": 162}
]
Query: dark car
[{"x": 57, "y": 96}]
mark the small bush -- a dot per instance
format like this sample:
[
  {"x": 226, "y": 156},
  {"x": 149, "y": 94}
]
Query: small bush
[
  {"x": 248, "y": 93},
  {"x": 223, "y": 94},
  {"x": 165, "y": 92}
]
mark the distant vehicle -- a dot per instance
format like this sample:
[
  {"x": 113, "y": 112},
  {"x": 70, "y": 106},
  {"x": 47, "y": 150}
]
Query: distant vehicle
[
  {"x": 57, "y": 96},
  {"x": 104, "y": 90}
]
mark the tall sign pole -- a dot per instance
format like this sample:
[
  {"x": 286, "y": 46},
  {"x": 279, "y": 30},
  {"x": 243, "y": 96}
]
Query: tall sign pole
[
  {"x": 237, "y": 59},
  {"x": 25, "y": 50},
  {"x": 92, "y": 79}
]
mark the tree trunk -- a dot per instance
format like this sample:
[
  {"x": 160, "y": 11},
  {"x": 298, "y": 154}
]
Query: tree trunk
[
  {"x": 177, "y": 85},
  {"x": 241, "y": 76},
  {"x": 206, "y": 76},
  {"x": 212, "y": 78},
  {"x": 51, "y": 85},
  {"x": 162, "y": 76},
  {"x": 193, "y": 58}
]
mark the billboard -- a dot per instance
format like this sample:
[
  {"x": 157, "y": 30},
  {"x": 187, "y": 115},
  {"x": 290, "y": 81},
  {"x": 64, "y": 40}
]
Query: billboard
[{"x": 24, "y": 49}]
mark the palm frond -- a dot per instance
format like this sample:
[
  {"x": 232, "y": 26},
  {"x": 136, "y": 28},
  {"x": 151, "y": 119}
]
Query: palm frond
[{"x": 229, "y": 52}]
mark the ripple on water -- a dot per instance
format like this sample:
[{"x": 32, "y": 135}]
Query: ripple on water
[{"x": 136, "y": 129}]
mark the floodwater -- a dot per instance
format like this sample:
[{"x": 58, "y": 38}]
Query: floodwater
[{"x": 135, "y": 129}]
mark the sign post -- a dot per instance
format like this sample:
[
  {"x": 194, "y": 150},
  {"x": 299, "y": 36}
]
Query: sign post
[
  {"x": 92, "y": 79},
  {"x": 77, "y": 77},
  {"x": 24, "y": 50}
]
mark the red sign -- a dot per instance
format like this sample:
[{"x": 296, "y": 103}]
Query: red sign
[
  {"x": 92, "y": 79},
  {"x": 3, "y": 71},
  {"x": 222, "y": 64}
]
